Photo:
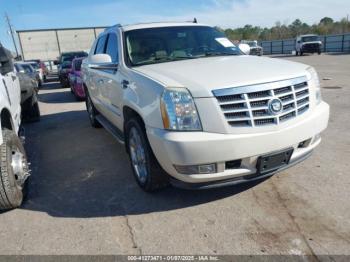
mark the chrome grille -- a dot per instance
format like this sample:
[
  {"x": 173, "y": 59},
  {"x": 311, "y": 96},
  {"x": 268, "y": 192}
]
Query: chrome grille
[{"x": 248, "y": 105}]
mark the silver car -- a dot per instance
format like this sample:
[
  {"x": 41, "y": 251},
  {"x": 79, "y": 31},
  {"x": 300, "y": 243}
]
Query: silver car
[{"x": 29, "y": 91}]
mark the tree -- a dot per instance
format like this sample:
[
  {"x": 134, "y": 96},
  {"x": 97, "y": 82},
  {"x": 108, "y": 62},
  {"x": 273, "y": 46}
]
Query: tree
[
  {"x": 326, "y": 21},
  {"x": 283, "y": 31}
]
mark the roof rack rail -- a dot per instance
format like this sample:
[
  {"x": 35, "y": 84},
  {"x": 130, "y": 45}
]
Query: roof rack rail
[{"x": 116, "y": 25}]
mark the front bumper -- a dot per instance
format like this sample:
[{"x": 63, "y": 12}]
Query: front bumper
[{"x": 194, "y": 148}]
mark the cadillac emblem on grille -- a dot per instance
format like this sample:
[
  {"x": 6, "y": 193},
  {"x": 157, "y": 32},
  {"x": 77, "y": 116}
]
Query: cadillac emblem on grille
[{"x": 275, "y": 106}]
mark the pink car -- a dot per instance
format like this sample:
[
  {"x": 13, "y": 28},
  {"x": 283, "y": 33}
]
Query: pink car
[{"x": 76, "y": 80}]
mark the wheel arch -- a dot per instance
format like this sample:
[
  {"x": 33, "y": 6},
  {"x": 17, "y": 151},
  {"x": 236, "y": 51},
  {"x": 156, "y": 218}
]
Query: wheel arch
[
  {"x": 6, "y": 122},
  {"x": 6, "y": 119},
  {"x": 129, "y": 113}
]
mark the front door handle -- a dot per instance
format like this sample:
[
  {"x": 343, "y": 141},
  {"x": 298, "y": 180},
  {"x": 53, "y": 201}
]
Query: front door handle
[
  {"x": 100, "y": 81},
  {"x": 125, "y": 84}
]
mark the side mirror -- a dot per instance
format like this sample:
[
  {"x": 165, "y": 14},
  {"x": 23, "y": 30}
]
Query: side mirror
[
  {"x": 245, "y": 48},
  {"x": 6, "y": 64},
  {"x": 55, "y": 62},
  {"x": 102, "y": 61},
  {"x": 298, "y": 42}
]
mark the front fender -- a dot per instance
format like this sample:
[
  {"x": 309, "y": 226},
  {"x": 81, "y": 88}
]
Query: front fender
[{"x": 143, "y": 95}]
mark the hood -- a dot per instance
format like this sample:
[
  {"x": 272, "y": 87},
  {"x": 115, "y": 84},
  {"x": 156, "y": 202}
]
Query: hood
[
  {"x": 312, "y": 42},
  {"x": 201, "y": 76}
]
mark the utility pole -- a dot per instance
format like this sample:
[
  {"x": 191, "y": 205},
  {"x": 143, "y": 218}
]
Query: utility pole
[{"x": 11, "y": 32}]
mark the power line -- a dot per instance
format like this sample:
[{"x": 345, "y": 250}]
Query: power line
[{"x": 11, "y": 32}]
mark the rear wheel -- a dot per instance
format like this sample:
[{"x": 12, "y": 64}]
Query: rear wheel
[
  {"x": 92, "y": 112},
  {"x": 14, "y": 171},
  {"x": 148, "y": 173}
]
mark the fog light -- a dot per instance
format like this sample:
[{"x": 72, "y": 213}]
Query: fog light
[
  {"x": 305, "y": 143},
  {"x": 196, "y": 169}
]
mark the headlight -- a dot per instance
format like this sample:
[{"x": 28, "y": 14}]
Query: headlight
[
  {"x": 313, "y": 78},
  {"x": 179, "y": 111}
]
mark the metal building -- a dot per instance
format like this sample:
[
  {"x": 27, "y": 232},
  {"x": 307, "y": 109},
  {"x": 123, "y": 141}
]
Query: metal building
[{"x": 48, "y": 44}]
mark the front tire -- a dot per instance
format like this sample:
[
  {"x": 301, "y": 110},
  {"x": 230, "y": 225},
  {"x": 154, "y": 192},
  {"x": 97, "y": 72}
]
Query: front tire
[
  {"x": 148, "y": 173},
  {"x": 13, "y": 171},
  {"x": 92, "y": 112}
]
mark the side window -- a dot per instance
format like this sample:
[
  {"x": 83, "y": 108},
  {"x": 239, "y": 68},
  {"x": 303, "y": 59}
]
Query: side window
[
  {"x": 112, "y": 47},
  {"x": 100, "y": 47}
]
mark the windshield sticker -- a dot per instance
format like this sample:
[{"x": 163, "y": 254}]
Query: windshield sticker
[{"x": 224, "y": 42}]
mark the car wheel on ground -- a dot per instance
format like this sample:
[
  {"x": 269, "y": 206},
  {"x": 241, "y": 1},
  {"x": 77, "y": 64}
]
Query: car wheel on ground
[
  {"x": 148, "y": 173},
  {"x": 31, "y": 110},
  {"x": 14, "y": 171},
  {"x": 92, "y": 112}
]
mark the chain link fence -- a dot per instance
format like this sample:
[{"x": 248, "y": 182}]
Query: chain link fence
[{"x": 331, "y": 43}]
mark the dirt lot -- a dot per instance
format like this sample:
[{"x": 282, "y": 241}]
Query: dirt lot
[{"x": 83, "y": 198}]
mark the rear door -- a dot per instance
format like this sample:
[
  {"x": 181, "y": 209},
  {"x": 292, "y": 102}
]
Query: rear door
[
  {"x": 112, "y": 89},
  {"x": 97, "y": 77}
]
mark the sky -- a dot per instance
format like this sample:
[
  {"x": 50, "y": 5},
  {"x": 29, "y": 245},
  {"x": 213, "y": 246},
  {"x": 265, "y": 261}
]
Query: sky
[{"x": 39, "y": 14}]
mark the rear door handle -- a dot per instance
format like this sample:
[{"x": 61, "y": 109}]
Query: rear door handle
[{"x": 125, "y": 84}]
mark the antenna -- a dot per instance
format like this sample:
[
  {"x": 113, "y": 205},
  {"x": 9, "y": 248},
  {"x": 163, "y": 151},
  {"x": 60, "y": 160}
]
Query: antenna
[
  {"x": 195, "y": 20},
  {"x": 11, "y": 32}
]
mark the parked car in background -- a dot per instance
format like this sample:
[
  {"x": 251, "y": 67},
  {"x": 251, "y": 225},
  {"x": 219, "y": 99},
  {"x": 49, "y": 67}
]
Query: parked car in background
[
  {"x": 63, "y": 72},
  {"x": 42, "y": 73},
  {"x": 51, "y": 67},
  {"x": 29, "y": 93},
  {"x": 75, "y": 79},
  {"x": 255, "y": 49},
  {"x": 308, "y": 44},
  {"x": 64, "y": 65},
  {"x": 28, "y": 70},
  {"x": 14, "y": 169},
  {"x": 193, "y": 110}
]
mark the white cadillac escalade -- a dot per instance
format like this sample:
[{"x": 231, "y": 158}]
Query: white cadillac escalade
[{"x": 195, "y": 111}]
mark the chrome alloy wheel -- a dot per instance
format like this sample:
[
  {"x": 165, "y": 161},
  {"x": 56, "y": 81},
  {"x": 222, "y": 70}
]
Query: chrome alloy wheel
[
  {"x": 138, "y": 156},
  {"x": 19, "y": 167}
]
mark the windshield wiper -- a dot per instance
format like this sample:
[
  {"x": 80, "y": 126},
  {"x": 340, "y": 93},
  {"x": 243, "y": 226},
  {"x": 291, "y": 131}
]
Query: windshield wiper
[
  {"x": 217, "y": 54},
  {"x": 183, "y": 57}
]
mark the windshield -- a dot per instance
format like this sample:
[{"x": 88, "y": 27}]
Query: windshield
[
  {"x": 310, "y": 38},
  {"x": 157, "y": 45},
  {"x": 70, "y": 56},
  {"x": 35, "y": 65},
  {"x": 27, "y": 68},
  {"x": 252, "y": 44}
]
